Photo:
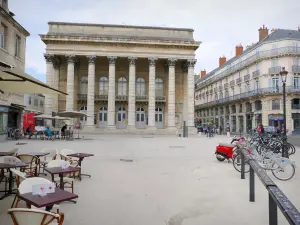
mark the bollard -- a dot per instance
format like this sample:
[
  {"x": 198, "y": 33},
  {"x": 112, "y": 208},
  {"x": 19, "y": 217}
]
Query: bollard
[
  {"x": 242, "y": 166},
  {"x": 252, "y": 186}
]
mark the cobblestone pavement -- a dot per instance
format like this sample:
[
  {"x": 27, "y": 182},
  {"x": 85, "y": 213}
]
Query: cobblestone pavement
[{"x": 159, "y": 181}]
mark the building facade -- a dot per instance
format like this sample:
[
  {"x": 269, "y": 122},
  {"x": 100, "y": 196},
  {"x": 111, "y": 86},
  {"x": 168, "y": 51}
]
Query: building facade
[
  {"x": 123, "y": 77},
  {"x": 247, "y": 89},
  {"x": 34, "y": 103},
  {"x": 12, "y": 51}
]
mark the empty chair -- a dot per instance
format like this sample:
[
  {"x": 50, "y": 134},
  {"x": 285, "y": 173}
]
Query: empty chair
[
  {"x": 64, "y": 156},
  {"x": 47, "y": 158},
  {"x": 22, "y": 216},
  {"x": 19, "y": 176},
  {"x": 66, "y": 179},
  {"x": 32, "y": 164},
  {"x": 26, "y": 187},
  {"x": 4, "y": 175}
]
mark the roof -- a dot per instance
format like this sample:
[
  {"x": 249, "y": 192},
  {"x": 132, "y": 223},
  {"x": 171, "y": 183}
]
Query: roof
[
  {"x": 118, "y": 25},
  {"x": 274, "y": 36}
]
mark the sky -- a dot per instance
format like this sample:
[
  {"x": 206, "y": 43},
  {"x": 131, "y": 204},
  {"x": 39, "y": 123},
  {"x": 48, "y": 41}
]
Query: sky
[{"x": 220, "y": 25}]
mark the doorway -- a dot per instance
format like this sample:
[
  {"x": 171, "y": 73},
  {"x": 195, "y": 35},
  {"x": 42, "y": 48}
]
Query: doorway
[
  {"x": 140, "y": 118},
  {"x": 102, "y": 117}
]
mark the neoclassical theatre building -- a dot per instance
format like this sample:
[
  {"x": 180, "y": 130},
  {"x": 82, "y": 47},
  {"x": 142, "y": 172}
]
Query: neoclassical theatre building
[{"x": 123, "y": 77}]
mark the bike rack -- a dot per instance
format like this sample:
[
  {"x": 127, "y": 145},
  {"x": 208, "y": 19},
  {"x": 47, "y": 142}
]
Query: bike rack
[{"x": 276, "y": 197}]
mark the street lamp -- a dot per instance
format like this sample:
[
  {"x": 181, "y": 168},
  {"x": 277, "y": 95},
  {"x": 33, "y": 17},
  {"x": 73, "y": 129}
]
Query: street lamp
[{"x": 283, "y": 74}]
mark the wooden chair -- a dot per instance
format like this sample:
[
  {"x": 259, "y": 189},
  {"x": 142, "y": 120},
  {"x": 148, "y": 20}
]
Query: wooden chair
[
  {"x": 32, "y": 164},
  {"x": 67, "y": 180},
  {"x": 22, "y": 216}
]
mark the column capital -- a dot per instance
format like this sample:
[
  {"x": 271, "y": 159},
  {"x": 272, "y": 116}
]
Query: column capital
[
  {"x": 132, "y": 60},
  {"x": 91, "y": 59},
  {"x": 56, "y": 62},
  {"x": 112, "y": 60},
  {"x": 191, "y": 62},
  {"x": 152, "y": 61},
  {"x": 172, "y": 62},
  {"x": 71, "y": 58},
  {"x": 48, "y": 57}
]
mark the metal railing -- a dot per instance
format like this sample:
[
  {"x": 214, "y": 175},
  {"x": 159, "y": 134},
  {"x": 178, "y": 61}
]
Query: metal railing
[
  {"x": 277, "y": 199},
  {"x": 121, "y": 98},
  {"x": 247, "y": 77},
  {"x": 296, "y": 69},
  {"x": 245, "y": 95},
  {"x": 292, "y": 50},
  {"x": 274, "y": 70},
  {"x": 141, "y": 98},
  {"x": 232, "y": 83},
  {"x": 101, "y": 97},
  {"x": 256, "y": 74},
  {"x": 160, "y": 98}
]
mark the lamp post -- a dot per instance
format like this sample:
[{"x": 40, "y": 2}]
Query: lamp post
[{"x": 283, "y": 74}]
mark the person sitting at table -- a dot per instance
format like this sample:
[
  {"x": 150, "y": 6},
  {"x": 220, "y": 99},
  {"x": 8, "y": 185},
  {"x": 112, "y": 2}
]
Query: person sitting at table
[
  {"x": 27, "y": 132},
  {"x": 63, "y": 130},
  {"x": 48, "y": 133}
]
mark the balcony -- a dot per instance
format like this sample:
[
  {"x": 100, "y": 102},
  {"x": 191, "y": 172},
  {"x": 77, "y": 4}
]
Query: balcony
[
  {"x": 248, "y": 94},
  {"x": 232, "y": 83},
  {"x": 82, "y": 97},
  {"x": 288, "y": 50},
  {"x": 220, "y": 88},
  {"x": 101, "y": 97},
  {"x": 226, "y": 85},
  {"x": 274, "y": 70},
  {"x": 121, "y": 98},
  {"x": 160, "y": 98},
  {"x": 256, "y": 74},
  {"x": 238, "y": 80},
  {"x": 247, "y": 77},
  {"x": 211, "y": 91},
  {"x": 141, "y": 98},
  {"x": 296, "y": 69},
  {"x": 215, "y": 89}
]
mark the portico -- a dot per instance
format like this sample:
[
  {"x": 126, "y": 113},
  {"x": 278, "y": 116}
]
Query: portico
[{"x": 132, "y": 82}]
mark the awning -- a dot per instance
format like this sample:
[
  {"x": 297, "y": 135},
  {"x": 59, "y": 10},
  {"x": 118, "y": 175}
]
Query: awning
[
  {"x": 43, "y": 116},
  {"x": 13, "y": 80}
]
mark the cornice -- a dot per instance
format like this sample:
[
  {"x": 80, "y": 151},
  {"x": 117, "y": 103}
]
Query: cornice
[{"x": 53, "y": 39}]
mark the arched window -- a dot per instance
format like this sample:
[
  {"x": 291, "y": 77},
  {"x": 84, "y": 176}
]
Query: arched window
[
  {"x": 83, "y": 85},
  {"x": 103, "y": 86},
  {"x": 159, "y": 87},
  {"x": 122, "y": 86},
  {"x": 140, "y": 87}
]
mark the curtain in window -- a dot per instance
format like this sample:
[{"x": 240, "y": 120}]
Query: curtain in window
[
  {"x": 83, "y": 85},
  {"x": 159, "y": 87},
  {"x": 122, "y": 86},
  {"x": 103, "y": 86},
  {"x": 140, "y": 87}
]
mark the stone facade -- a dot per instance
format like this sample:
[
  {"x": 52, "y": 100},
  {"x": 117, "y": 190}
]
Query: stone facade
[
  {"x": 248, "y": 89},
  {"x": 12, "y": 52},
  {"x": 123, "y": 76}
]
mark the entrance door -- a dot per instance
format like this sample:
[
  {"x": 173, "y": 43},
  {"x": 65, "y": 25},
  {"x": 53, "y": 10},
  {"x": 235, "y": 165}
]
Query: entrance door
[
  {"x": 140, "y": 118},
  {"x": 159, "y": 118},
  {"x": 102, "y": 119},
  {"x": 121, "y": 118}
]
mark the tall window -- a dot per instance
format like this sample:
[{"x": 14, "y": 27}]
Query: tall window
[
  {"x": 256, "y": 84},
  {"x": 159, "y": 87},
  {"x": 122, "y": 86},
  {"x": 103, "y": 86},
  {"x": 275, "y": 62},
  {"x": 36, "y": 102},
  {"x": 297, "y": 82},
  {"x": 275, "y": 82},
  {"x": 275, "y": 104},
  {"x": 84, "y": 110},
  {"x": 83, "y": 85},
  {"x": 140, "y": 87},
  {"x": 29, "y": 100},
  {"x": 296, "y": 61},
  {"x": 41, "y": 103},
  {"x": 17, "y": 46},
  {"x": 3, "y": 35}
]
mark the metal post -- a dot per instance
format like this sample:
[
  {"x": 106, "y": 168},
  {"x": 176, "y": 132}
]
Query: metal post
[
  {"x": 284, "y": 150},
  {"x": 272, "y": 211},
  {"x": 252, "y": 187},
  {"x": 243, "y": 166}
]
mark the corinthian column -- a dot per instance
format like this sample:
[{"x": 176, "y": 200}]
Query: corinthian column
[
  {"x": 190, "y": 86},
  {"x": 131, "y": 92},
  {"x": 171, "y": 93},
  {"x": 56, "y": 66},
  {"x": 111, "y": 90},
  {"x": 151, "y": 101},
  {"x": 91, "y": 91},
  {"x": 49, "y": 80},
  {"x": 70, "y": 83}
]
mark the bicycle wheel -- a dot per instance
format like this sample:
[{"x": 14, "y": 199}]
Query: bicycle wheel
[
  {"x": 237, "y": 164},
  {"x": 283, "y": 174},
  {"x": 291, "y": 149}
]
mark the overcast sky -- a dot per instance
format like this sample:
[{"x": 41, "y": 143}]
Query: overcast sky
[{"x": 220, "y": 25}]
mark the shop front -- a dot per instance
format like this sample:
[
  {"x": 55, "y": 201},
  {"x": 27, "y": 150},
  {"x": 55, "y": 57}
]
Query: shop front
[
  {"x": 276, "y": 120},
  {"x": 296, "y": 123}
]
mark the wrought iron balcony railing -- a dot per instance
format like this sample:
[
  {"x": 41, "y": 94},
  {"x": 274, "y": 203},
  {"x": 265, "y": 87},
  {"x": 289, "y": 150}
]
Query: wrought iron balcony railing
[
  {"x": 121, "y": 97},
  {"x": 232, "y": 83},
  {"x": 296, "y": 69},
  {"x": 256, "y": 74},
  {"x": 247, "y": 77},
  {"x": 160, "y": 98},
  {"x": 238, "y": 80},
  {"x": 274, "y": 70},
  {"x": 141, "y": 98},
  {"x": 102, "y": 97}
]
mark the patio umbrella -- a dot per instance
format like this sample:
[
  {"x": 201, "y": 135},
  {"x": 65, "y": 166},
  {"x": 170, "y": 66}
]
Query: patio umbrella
[
  {"x": 60, "y": 118},
  {"x": 43, "y": 116},
  {"x": 13, "y": 80},
  {"x": 73, "y": 114}
]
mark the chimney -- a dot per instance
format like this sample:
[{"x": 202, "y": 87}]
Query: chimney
[
  {"x": 222, "y": 60},
  {"x": 202, "y": 73},
  {"x": 238, "y": 50},
  {"x": 263, "y": 32}
]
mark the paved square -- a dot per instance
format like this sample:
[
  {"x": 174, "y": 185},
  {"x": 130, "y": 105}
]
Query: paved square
[{"x": 159, "y": 180}]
